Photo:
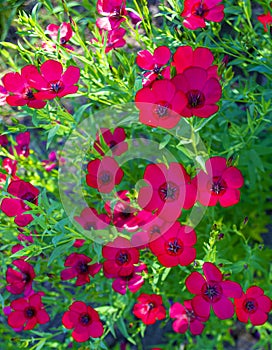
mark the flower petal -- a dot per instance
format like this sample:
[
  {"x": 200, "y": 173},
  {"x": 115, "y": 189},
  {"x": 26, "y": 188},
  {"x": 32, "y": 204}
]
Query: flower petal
[
  {"x": 194, "y": 282},
  {"x": 224, "y": 308}
]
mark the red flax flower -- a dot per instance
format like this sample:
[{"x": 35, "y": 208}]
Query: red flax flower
[
  {"x": 20, "y": 281},
  {"x": 266, "y": 20},
  {"x": 90, "y": 219},
  {"x": 21, "y": 91},
  {"x": 120, "y": 257},
  {"x": 175, "y": 246},
  {"x": 160, "y": 104},
  {"x": 202, "y": 92},
  {"x": 85, "y": 321},
  {"x": 114, "y": 12},
  {"x": 23, "y": 141},
  {"x": 104, "y": 174},
  {"x": 186, "y": 318},
  {"x": 78, "y": 266},
  {"x": 253, "y": 306},
  {"x": 27, "y": 312},
  {"x": 149, "y": 308},
  {"x": 114, "y": 140},
  {"x": 24, "y": 192},
  {"x": 168, "y": 191},
  {"x": 64, "y": 32},
  {"x": 154, "y": 63},
  {"x": 219, "y": 183},
  {"x": 195, "y": 13},
  {"x": 52, "y": 82},
  {"x": 212, "y": 291}
]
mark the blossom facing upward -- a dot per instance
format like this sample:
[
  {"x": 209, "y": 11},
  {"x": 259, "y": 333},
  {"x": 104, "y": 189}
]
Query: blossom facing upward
[
  {"x": 85, "y": 321},
  {"x": 27, "y": 313},
  {"x": 212, "y": 291},
  {"x": 78, "y": 266},
  {"x": 154, "y": 64},
  {"x": 254, "y": 306},
  {"x": 114, "y": 140},
  {"x": 160, "y": 104},
  {"x": 266, "y": 20},
  {"x": 149, "y": 308},
  {"x": 186, "y": 318},
  {"x": 196, "y": 12},
  {"x": 114, "y": 12},
  {"x": 219, "y": 183},
  {"x": 20, "y": 281}
]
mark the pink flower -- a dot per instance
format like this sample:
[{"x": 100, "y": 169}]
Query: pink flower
[
  {"x": 149, "y": 308},
  {"x": 10, "y": 166},
  {"x": 185, "y": 57},
  {"x": 202, "y": 92},
  {"x": 90, "y": 219},
  {"x": 64, "y": 32},
  {"x": 134, "y": 17},
  {"x": 3, "y": 96},
  {"x": 23, "y": 191},
  {"x": 52, "y": 82},
  {"x": 23, "y": 141},
  {"x": 21, "y": 91},
  {"x": 3, "y": 140},
  {"x": 53, "y": 161},
  {"x": 20, "y": 281},
  {"x": 154, "y": 63},
  {"x": 266, "y": 20},
  {"x": 168, "y": 191},
  {"x": 114, "y": 140},
  {"x": 114, "y": 12},
  {"x": 78, "y": 266},
  {"x": 219, "y": 183},
  {"x": 160, "y": 104},
  {"x": 104, "y": 174},
  {"x": 85, "y": 321},
  {"x": 212, "y": 291},
  {"x": 253, "y": 305},
  {"x": 175, "y": 246},
  {"x": 195, "y": 13},
  {"x": 115, "y": 39},
  {"x": 186, "y": 318}
]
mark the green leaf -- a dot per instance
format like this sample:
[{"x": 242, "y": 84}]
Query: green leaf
[
  {"x": 122, "y": 327},
  {"x": 60, "y": 250}
]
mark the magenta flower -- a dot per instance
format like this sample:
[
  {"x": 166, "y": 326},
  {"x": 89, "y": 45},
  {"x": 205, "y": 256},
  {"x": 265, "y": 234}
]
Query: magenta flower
[
  {"x": 186, "y": 318},
  {"x": 253, "y": 305},
  {"x": 52, "y": 82},
  {"x": 79, "y": 267},
  {"x": 114, "y": 140},
  {"x": 3, "y": 96},
  {"x": 85, "y": 321},
  {"x": 115, "y": 39},
  {"x": 160, "y": 104},
  {"x": 64, "y": 32},
  {"x": 175, "y": 246},
  {"x": 168, "y": 191},
  {"x": 219, "y": 183},
  {"x": 23, "y": 141},
  {"x": 212, "y": 292},
  {"x": 20, "y": 281},
  {"x": 154, "y": 64},
  {"x": 27, "y": 313},
  {"x": 114, "y": 12},
  {"x": 195, "y": 13},
  {"x": 266, "y": 20},
  {"x": 202, "y": 92},
  {"x": 24, "y": 192},
  {"x": 3, "y": 140},
  {"x": 90, "y": 219},
  {"x": 149, "y": 308},
  {"x": 21, "y": 91},
  {"x": 104, "y": 174}
]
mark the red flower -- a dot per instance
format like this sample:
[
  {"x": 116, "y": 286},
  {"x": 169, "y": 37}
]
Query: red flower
[
  {"x": 3, "y": 96},
  {"x": 90, "y": 219},
  {"x": 19, "y": 282},
  {"x": 195, "y": 13},
  {"x": 186, "y": 318},
  {"x": 212, "y": 291},
  {"x": 120, "y": 257},
  {"x": 23, "y": 141},
  {"x": 22, "y": 92},
  {"x": 52, "y": 82},
  {"x": 78, "y": 266},
  {"x": 160, "y": 104},
  {"x": 114, "y": 141},
  {"x": 64, "y": 32},
  {"x": 3, "y": 140},
  {"x": 201, "y": 91},
  {"x": 85, "y": 321},
  {"x": 185, "y": 57},
  {"x": 149, "y": 308},
  {"x": 115, "y": 39},
  {"x": 154, "y": 63},
  {"x": 27, "y": 312},
  {"x": 23, "y": 191},
  {"x": 104, "y": 174},
  {"x": 175, "y": 246},
  {"x": 253, "y": 305},
  {"x": 10, "y": 166},
  {"x": 168, "y": 191},
  {"x": 266, "y": 20},
  {"x": 219, "y": 183},
  {"x": 114, "y": 12}
]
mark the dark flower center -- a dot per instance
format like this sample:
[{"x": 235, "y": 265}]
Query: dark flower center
[
  {"x": 112, "y": 144},
  {"x": 218, "y": 185},
  {"x": 26, "y": 277},
  {"x": 89, "y": 225},
  {"x": 151, "y": 306},
  {"x": 63, "y": 41},
  {"x": 212, "y": 292},
  {"x": 30, "y": 312},
  {"x": 156, "y": 69},
  {"x": 190, "y": 315},
  {"x": 174, "y": 247},
  {"x": 168, "y": 192},
  {"x": 117, "y": 12},
  {"x": 250, "y": 305},
  {"x": 28, "y": 95},
  {"x": 29, "y": 197},
  {"x": 199, "y": 9},
  {"x": 85, "y": 319},
  {"x": 161, "y": 109},
  {"x": 155, "y": 229},
  {"x": 105, "y": 177},
  {"x": 122, "y": 257},
  {"x": 82, "y": 267},
  {"x": 56, "y": 86},
  {"x": 196, "y": 99}
]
